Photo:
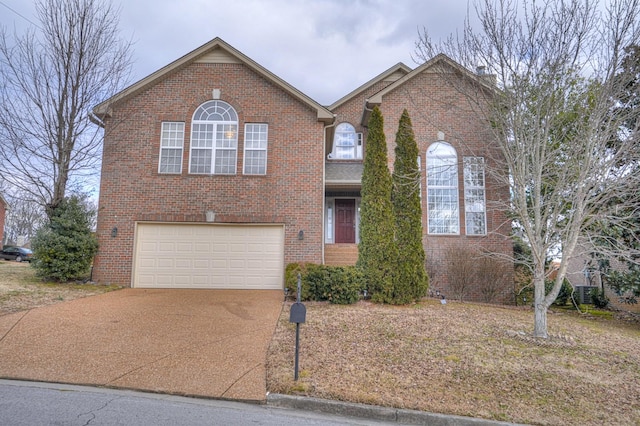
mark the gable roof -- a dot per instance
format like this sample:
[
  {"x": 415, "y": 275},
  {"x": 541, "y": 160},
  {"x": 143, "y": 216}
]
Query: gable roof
[
  {"x": 442, "y": 60},
  {"x": 215, "y": 51},
  {"x": 393, "y": 74},
  {"x": 3, "y": 201}
]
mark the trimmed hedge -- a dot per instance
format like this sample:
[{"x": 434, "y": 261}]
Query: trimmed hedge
[{"x": 335, "y": 284}]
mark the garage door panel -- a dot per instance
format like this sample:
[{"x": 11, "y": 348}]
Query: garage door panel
[
  {"x": 184, "y": 264},
  {"x": 201, "y": 264},
  {"x": 209, "y": 256}
]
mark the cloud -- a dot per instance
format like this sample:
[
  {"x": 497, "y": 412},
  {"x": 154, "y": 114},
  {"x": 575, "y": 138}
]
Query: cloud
[{"x": 325, "y": 48}]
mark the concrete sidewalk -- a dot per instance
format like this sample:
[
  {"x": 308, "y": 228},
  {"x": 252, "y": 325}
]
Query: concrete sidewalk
[{"x": 206, "y": 343}]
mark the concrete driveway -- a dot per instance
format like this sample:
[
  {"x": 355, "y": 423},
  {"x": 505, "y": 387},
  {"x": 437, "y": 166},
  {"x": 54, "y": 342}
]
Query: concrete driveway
[{"x": 209, "y": 343}]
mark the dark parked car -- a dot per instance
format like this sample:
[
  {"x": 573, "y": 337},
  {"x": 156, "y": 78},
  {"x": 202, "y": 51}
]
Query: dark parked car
[{"x": 16, "y": 253}]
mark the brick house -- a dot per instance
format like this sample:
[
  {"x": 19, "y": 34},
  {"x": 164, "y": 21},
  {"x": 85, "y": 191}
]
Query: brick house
[{"x": 216, "y": 173}]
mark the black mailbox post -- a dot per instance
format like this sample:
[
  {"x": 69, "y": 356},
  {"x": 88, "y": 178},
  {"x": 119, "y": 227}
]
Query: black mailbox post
[{"x": 298, "y": 314}]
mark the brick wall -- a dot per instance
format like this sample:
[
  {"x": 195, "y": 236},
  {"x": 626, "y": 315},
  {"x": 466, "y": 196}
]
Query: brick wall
[
  {"x": 436, "y": 105},
  {"x": 131, "y": 189}
]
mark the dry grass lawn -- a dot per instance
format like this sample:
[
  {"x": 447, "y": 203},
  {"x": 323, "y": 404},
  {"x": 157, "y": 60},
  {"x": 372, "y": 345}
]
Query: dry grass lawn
[
  {"x": 21, "y": 290},
  {"x": 465, "y": 359}
]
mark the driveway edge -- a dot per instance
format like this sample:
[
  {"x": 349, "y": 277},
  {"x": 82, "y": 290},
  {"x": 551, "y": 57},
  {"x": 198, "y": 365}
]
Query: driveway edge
[{"x": 373, "y": 412}]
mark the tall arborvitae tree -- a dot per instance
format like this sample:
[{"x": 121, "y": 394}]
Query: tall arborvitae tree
[
  {"x": 411, "y": 280},
  {"x": 377, "y": 251}
]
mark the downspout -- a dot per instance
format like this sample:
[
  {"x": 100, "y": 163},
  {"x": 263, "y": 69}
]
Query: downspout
[{"x": 324, "y": 179}]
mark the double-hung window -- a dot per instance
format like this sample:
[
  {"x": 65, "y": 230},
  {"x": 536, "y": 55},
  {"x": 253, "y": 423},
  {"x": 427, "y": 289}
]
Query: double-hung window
[
  {"x": 214, "y": 139},
  {"x": 474, "y": 196},
  {"x": 255, "y": 148},
  {"x": 171, "y": 145},
  {"x": 442, "y": 189}
]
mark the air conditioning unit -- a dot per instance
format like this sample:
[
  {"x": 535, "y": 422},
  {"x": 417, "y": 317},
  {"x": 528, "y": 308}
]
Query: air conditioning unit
[{"x": 583, "y": 294}]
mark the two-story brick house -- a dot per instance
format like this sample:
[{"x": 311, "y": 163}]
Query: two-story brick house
[{"x": 216, "y": 173}]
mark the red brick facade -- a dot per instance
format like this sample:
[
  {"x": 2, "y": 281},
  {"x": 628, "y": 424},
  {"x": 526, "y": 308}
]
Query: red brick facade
[{"x": 292, "y": 191}]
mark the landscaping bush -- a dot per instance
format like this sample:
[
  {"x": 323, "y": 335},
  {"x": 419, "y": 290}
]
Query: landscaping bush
[
  {"x": 344, "y": 284},
  {"x": 64, "y": 248},
  {"x": 291, "y": 279},
  {"x": 565, "y": 291},
  {"x": 598, "y": 298},
  {"x": 335, "y": 284},
  {"x": 625, "y": 284}
]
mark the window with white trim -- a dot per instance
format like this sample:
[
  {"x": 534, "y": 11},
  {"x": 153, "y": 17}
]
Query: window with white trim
[
  {"x": 255, "y": 148},
  {"x": 442, "y": 189},
  {"x": 214, "y": 139},
  {"x": 171, "y": 145},
  {"x": 474, "y": 196},
  {"x": 347, "y": 144}
]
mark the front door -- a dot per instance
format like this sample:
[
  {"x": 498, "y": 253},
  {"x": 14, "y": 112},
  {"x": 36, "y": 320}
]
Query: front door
[{"x": 345, "y": 221}]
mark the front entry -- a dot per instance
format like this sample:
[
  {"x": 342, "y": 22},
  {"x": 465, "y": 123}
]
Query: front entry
[{"x": 345, "y": 221}]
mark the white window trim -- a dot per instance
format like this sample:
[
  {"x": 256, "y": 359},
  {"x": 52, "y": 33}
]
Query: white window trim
[
  {"x": 329, "y": 222},
  {"x": 330, "y": 218},
  {"x": 357, "y": 145},
  {"x": 455, "y": 187},
  {"x": 162, "y": 147},
  {"x": 265, "y": 149},
  {"x": 483, "y": 188},
  {"x": 214, "y": 149}
]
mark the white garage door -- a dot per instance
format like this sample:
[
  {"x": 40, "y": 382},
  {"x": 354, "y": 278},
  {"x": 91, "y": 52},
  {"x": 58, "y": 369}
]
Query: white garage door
[{"x": 209, "y": 256}]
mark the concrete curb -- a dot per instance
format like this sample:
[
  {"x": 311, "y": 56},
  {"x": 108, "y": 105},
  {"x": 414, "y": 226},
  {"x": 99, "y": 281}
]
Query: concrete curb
[{"x": 372, "y": 412}]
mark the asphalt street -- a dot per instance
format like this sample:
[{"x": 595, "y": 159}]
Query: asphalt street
[{"x": 36, "y": 403}]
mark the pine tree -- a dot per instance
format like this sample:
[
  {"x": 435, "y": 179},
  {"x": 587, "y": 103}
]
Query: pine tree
[
  {"x": 411, "y": 281},
  {"x": 377, "y": 250},
  {"x": 64, "y": 248}
]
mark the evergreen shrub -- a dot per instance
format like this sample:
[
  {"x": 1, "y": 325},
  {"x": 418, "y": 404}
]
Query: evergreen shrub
[
  {"x": 64, "y": 247},
  {"x": 334, "y": 284}
]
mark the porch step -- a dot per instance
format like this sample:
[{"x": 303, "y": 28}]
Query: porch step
[{"x": 340, "y": 254}]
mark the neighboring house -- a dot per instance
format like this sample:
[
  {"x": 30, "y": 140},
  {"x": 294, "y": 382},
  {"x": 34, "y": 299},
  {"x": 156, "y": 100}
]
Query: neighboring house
[
  {"x": 4, "y": 206},
  {"x": 217, "y": 174}
]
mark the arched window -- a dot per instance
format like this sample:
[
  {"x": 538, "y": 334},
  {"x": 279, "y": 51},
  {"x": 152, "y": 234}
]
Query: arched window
[
  {"x": 442, "y": 189},
  {"x": 347, "y": 144},
  {"x": 214, "y": 139}
]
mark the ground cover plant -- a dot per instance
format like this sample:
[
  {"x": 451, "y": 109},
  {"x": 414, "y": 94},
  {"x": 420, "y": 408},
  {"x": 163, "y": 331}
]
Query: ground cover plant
[{"x": 466, "y": 359}]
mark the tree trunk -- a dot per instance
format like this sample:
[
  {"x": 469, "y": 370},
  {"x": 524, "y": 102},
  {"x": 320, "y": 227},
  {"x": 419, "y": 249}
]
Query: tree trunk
[
  {"x": 540, "y": 318},
  {"x": 540, "y": 305}
]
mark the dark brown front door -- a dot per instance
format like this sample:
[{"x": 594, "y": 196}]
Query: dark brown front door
[{"x": 345, "y": 221}]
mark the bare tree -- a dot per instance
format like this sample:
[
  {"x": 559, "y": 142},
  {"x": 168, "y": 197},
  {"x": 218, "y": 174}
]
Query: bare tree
[
  {"x": 50, "y": 78},
  {"x": 23, "y": 220},
  {"x": 555, "y": 63}
]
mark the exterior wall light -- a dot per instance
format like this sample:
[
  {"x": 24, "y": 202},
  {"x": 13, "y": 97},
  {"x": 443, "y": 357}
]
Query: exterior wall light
[
  {"x": 301, "y": 235},
  {"x": 114, "y": 232},
  {"x": 210, "y": 215}
]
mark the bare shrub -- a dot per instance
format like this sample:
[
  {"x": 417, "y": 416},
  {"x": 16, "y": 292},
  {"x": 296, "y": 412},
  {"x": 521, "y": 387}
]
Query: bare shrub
[
  {"x": 460, "y": 267},
  {"x": 491, "y": 275},
  {"x": 468, "y": 270}
]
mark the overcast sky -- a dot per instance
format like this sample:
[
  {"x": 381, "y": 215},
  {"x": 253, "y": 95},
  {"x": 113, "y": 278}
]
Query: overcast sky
[{"x": 325, "y": 48}]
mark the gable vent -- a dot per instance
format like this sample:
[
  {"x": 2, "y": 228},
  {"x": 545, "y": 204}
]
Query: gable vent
[{"x": 217, "y": 56}]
